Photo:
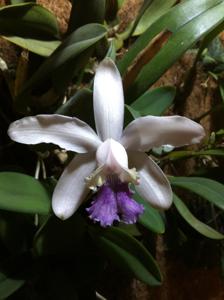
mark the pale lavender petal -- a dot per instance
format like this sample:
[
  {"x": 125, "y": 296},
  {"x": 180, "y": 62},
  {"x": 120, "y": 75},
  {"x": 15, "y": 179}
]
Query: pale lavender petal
[
  {"x": 71, "y": 189},
  {"x": 104, "y": 207},
  {"x": 68, "y": 133},
  {"x": 153, "y": 186},
  {"x": 129, "y": 210},
  {"x": 108, "y": 101},
  {"x": 147, "y": 132}
]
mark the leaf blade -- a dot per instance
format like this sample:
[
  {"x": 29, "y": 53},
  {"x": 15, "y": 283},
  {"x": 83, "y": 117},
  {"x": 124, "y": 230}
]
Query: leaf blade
[
  {"x": 151, "y": 218},
  {"x": 181, "y": 40},
  {"x": 28, "y": 20},
  {"x": 23, "y": 193},
  {"x": 9, "y": 285},
  {"x": 178, "y": 16},
  {"x": 209, "y": 189},
  {"x": 155, "y": 10},
  {"x": 66, "y": 56},
  {"x": 129, "y": 253},
  {"x": 199, "y": 226},
  {"x": 40, "y": 47},
  {"x": 154, "y": 102}
]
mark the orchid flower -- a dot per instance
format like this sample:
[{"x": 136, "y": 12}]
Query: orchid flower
[{"x": 107, "y": 162}]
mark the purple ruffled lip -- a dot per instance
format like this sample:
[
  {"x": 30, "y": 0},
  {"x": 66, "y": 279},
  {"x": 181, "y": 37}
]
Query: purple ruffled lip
[{"x": 113, "y": 202}]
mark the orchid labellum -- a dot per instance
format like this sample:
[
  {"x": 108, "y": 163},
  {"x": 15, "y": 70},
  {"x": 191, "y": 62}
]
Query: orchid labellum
[{"x": 107, "y": 162}]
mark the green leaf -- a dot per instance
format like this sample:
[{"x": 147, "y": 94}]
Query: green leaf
[
  {"x": 23, "y": 193},
  {"x": 85, "y": 12},
  {"x": 8, "y": 286},
  {"x": 188, "y": 153},
  {"x": 73, "y": 67},
  {"x": 31, "y": 27},
  {"x": 128, "y": 253},
  {"x": 76, "y": 104},
  {"x": 65, "y": 58},
  {"x": 40, "y": 47},
  {"x": 194, "y": 222},
  {"x": 173, "y": 20},
  {"x": 209, "y": 189},
  {"x": 151, "y": 218},
  {"x": 154, "y": 102},
  {"x": 28, "y": 20},
  {"x": 130, "y": 229},
  {"x": 131, "y": 28},
  {"x": 80, "y": 105},
  {"x": 181, "y": 40},
  {"x": 152, "y": 13},
  {"x": 132, "y": 112}
]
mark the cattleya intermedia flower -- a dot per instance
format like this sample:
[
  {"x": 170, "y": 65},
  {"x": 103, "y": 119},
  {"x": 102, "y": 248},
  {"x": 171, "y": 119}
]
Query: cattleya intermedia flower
[{"x": 107, "y": 162}]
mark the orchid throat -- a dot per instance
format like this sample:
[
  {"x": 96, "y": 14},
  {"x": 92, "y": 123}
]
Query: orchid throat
[{"x": 113, "y": 200}]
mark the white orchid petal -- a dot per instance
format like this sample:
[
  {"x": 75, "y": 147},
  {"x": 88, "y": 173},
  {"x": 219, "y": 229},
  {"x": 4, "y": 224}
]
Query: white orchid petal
[
  {"x": 153, "y": 186},
  {"x": 112, "y": 156},
  {"x": 71, "y": 188},
  {"x": 69, "y": 133},
  {"x": 108, "y": 101},
  {"x": 147, "y": 132}
]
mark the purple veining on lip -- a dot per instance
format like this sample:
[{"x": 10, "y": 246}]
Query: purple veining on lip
[
  {"x": 113, "y": 202},
  {"x": 129, "y": 210},
  {"x": 104, "y": 207}
]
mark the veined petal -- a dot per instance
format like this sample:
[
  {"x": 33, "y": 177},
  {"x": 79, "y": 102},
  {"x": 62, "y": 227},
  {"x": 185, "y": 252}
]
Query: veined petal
[
  {"x": 108, "y": 100},
  {"x": 144, "y": 133},
  {"x": 68, "y": 133},
  {"x": 153, "y": 186},
  {"x": 71, "y": 188}
]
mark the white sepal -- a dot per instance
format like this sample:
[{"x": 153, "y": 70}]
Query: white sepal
[{"x": 108, "y": 100}]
